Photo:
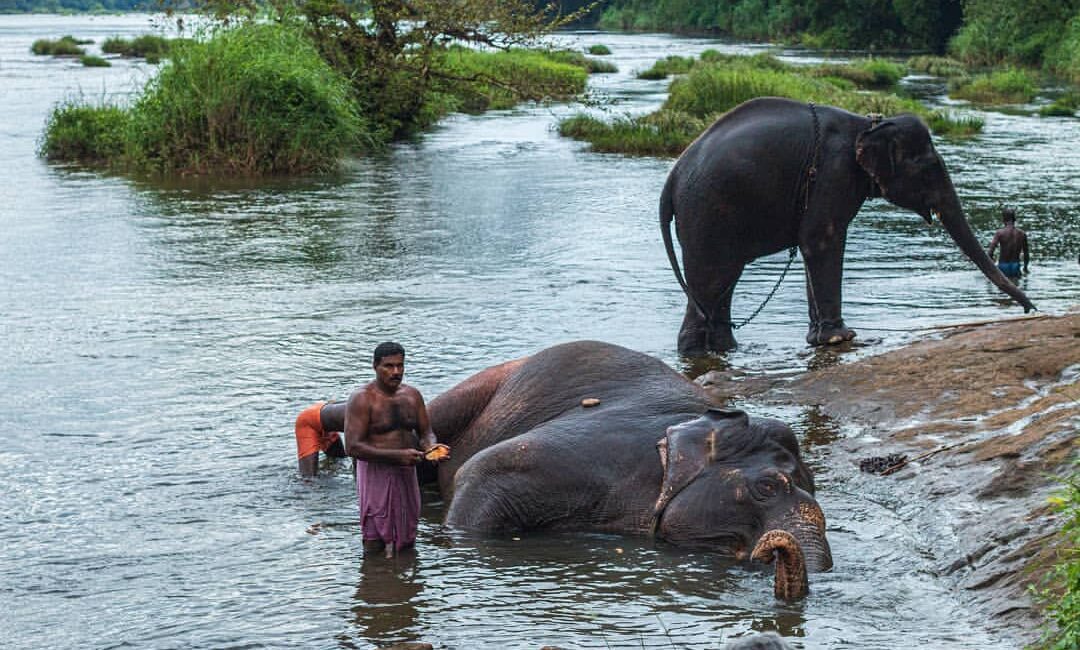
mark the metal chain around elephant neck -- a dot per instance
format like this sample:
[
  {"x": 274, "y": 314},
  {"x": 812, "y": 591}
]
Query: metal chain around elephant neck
[{"x": 800, "y": 210}]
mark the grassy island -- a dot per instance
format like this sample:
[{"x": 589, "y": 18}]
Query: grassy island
[
  {"x": 258, "y": 98},
  {"x": 713, "y": 84}
]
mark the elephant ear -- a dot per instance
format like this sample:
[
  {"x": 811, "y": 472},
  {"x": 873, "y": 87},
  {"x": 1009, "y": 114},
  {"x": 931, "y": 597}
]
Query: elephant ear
[
  {"x": 688, "y": 448},
  {"x": 876, "y": 152}
]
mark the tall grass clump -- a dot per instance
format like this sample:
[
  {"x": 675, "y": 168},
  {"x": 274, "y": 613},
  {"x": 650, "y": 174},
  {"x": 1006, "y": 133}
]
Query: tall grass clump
[
  {"x": 1060, "y": 591},
  {"x": 599, "y": 50},
  {"x": 479, "y": 81},
  {"x": 590, "y": 65},
  {"x": 1064, "y": 106},
  {"x": 670, "y": 65},
  {"x": 64, "y": 46},
  {"x": 254, "y": 99},
  {"x": 1008, "y": 86},
  {"x": 950, "y": 124},
  {"x": 937, "y": 66},
  {"x": 78, "y": 132},
  {"x": 92, "y": 61},
  {"x": 713, "y": 90},
  {"x": 865, "y": 73},
  {"x": 147, "y": 45},
  {"x": 663, "y": 133}
]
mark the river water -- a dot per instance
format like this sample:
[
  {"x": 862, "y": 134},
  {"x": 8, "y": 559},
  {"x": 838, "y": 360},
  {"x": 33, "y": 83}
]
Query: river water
[{"x": 160, "y": 339}]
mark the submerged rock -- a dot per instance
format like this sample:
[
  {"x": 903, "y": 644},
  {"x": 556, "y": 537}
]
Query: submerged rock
[{"x": 766, "y": 641}]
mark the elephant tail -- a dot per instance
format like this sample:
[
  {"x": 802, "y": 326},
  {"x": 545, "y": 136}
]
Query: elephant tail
[{"x": 667, "y": 215}]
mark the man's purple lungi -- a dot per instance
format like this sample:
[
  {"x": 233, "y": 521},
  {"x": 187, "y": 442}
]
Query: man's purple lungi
[{"x": 389, "y": 497}]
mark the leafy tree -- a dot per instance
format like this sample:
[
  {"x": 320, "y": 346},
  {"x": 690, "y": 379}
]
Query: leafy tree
[{"x": 391, "y": 49}]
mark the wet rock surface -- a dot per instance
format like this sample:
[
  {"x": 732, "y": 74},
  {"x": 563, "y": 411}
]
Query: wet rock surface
[{"x": 986, "y": 414}]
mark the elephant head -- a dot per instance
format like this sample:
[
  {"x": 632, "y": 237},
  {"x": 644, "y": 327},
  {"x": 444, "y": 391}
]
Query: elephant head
[
  {"x": 906, "y": 169},
  {"x": 740, "y": 483}
]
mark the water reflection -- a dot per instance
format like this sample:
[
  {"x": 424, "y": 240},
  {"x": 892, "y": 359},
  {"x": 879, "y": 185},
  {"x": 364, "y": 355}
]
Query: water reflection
[
  {"x": 818, "y": 429},
  {"x": 385, "y": 600},
  {"x": 694, "y": 367}
]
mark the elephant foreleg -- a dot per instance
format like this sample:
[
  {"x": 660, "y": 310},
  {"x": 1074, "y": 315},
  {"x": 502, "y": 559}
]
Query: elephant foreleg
[
  {"x": 824, "y": 271},
  {"x": 712, "y": 331}
]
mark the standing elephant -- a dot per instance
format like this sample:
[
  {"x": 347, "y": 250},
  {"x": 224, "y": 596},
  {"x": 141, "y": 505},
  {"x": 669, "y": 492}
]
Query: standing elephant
[
  {"x": 653, "y": 457},
  {"x": 773, "y": 173}
]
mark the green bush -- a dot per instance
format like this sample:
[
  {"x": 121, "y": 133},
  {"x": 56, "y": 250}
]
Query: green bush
[
  {"x": 255, "y": 99},
  {"x": 87, "y": 134},
  {"x": 91, "y": 61},
  {"x": 1008, "y": 86},
  {"x": 1060, "y": 591},
  {"x": 883, "y": 74},
  {"x": 145, "y": 46},
  {"x": 599, "y": 50},
  {"x": 115, "y": 45},
  {"x": 65, "y": 46},
  {"x": 668, "y": 66}
]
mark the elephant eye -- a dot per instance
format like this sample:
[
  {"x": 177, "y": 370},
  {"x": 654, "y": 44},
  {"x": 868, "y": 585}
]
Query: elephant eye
[{"x": 767, "y": 487}]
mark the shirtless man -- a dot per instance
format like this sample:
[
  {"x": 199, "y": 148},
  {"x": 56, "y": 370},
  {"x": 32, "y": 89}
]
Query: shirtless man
[
  {"x": 388, "y": 432},
  {"x": 1013, "y": 241},
  {"x": 317, "y": 429}
]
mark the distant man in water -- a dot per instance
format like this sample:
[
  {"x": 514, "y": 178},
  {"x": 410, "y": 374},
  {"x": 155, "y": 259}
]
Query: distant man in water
[
  {"x": 388, "y": 432},
  {"x": 1013, "y": 241},
  {"x": 318, "y": 429}
]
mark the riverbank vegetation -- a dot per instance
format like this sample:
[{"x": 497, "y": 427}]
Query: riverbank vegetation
[
  {"x": 1060, "y": 594},
  {"x": 298, "y": 93},
  {"x": 978, "y": 32},
  {"x": 716, "y": 83}
]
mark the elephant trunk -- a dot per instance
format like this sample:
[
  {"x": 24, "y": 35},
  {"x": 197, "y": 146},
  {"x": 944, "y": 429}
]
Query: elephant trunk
[
  {"x": 781, "y": 546},
  {"x": 952, "y": 217}
]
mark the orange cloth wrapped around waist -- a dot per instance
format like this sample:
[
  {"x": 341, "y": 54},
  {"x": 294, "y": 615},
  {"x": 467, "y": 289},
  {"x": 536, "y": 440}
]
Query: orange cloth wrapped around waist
[{"x": 310, "y": 437}]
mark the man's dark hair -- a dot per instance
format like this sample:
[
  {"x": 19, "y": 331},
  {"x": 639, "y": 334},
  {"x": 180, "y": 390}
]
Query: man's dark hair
[
  {"x": 387, "y": 349},
  {"x": 1008, "y": 214}
]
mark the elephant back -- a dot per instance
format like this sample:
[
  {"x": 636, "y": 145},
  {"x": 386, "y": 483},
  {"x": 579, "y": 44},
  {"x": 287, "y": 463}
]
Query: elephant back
[{"x": 552, "y": 384}]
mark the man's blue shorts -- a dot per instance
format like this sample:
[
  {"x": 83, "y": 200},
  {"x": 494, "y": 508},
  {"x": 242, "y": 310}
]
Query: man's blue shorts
[{"x": 1010, "y": 269}]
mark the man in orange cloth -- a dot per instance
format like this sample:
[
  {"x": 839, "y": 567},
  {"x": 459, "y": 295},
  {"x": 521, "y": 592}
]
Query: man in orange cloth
[
  {"x": 317, "y": 429},
  {"x": 388, "y": 432}
]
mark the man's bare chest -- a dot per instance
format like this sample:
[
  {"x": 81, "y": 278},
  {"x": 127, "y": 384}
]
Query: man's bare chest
[{"x": 393, "y": 414}]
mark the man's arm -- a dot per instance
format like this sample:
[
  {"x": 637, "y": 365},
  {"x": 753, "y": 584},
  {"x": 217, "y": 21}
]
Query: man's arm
[
  {"x": 357, "y": 427},
  {"x": 309, "y": 465},
  {"x": 1023, "y": 238},
  {"x": 994, "y": 244},
  {"x": 427, "y": 435}
]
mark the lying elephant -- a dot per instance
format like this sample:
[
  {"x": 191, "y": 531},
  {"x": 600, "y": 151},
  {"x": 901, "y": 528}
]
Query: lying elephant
[
  {"x": 653, "y": 457},
  {"x": 773, "y": 173}
]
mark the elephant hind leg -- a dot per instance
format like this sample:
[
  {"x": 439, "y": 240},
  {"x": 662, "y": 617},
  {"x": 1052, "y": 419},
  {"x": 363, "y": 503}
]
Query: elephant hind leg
[
  {"x": 713, "y": 289},
  {"x": 455, "y": 410}
]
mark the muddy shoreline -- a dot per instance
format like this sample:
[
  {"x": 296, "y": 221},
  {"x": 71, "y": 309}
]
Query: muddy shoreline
[{"x": 986, "y": 415}]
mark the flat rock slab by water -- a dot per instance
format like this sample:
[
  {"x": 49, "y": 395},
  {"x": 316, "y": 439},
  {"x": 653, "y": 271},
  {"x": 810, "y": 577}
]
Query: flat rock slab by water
[{"x": 985, "y": 413}]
